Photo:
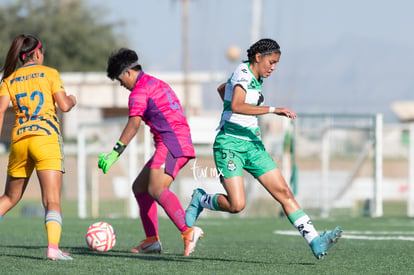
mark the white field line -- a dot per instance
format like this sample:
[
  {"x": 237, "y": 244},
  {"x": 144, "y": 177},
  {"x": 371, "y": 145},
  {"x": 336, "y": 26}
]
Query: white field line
[{"x": 363, "y": 235}]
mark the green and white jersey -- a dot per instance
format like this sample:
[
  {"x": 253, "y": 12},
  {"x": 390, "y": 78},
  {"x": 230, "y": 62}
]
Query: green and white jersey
[{"x": 238, "y": 125}]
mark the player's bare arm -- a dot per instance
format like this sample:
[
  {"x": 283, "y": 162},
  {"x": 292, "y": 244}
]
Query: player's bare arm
[
  {"x": 4, "y": 104},
  {"x": 130, "y": 129},
  {"x": 239, "y": 106},
  {"x": 65, "y": 102}
]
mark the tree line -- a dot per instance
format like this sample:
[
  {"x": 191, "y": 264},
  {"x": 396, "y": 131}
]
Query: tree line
[{"x": 74, "y": 36}]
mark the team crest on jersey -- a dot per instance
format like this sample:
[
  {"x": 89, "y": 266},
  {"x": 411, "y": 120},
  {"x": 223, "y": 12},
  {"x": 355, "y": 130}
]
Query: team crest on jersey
[{"x": 231, "y": 166}]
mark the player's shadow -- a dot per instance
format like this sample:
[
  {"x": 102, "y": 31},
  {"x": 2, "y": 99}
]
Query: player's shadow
[
  {"x": 124, "y": 254},
  {"x": 168, "y": 257},
  {"x": 6, "y": 252}
]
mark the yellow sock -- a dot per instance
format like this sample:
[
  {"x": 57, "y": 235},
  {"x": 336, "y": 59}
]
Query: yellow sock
[{"x": 53, "y": 223}]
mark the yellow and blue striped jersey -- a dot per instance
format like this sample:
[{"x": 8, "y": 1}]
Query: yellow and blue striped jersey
[{"x": 31, "y": 90}]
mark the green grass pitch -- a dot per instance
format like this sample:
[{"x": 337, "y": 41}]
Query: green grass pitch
[{"x": 232, "y": 245}]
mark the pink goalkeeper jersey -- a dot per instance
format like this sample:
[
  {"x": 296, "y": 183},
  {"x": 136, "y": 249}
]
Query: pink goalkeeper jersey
[{"x": 160, "y": 109}]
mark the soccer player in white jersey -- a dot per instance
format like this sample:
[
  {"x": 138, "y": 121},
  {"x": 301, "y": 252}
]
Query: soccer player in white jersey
[{"x": 238, "y": 146}]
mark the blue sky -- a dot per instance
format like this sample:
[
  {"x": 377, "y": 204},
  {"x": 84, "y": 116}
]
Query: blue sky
[
  {"x": 347, "y": 56},
  {"x": 294, "y": 24}
]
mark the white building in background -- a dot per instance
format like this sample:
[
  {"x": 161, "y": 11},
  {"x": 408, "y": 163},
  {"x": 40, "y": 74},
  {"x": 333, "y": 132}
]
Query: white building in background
[{"x": 98, "y": 97}]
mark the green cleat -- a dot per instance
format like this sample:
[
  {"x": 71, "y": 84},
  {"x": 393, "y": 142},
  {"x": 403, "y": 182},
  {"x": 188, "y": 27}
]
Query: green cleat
[
  {"x": 320, "y": 245},
  {"x": 194, "y": 209}
]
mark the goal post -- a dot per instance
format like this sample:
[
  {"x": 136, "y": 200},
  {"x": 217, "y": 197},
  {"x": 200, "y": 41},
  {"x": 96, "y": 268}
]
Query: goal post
[
  {"x": 331, "y": 151},
  {"x": 94, "y": 139},
  {"x": 410, "y": 201},
  {"x": 378, "y": 159}
]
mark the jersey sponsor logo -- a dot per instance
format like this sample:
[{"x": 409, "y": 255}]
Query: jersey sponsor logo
[
  {"x": 27, "y": 77},
  {"x": 252, "y": 85},
  {"x": 151, "y": 82},
  {"x": 31, "y": 128}
]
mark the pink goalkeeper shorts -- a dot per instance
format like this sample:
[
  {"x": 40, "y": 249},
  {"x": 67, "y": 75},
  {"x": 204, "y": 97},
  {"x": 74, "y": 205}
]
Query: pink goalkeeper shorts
[{"x": 163, "y": 158}]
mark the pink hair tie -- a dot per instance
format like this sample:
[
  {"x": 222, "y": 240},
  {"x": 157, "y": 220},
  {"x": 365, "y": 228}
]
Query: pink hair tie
[{"x": 37, "y": 47}]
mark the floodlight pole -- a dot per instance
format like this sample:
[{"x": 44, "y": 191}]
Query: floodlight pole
[
  {"x": 257, "y": 14},
  {"x": 186, "y": 56}
]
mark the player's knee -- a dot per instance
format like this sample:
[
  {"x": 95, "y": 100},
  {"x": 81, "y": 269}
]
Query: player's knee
[
  {"x": 10, "y": 201},
  {"x": 140, "y": 187},
  {"x": 236, "y": 208},
  {"x": 285, "y": 193}
]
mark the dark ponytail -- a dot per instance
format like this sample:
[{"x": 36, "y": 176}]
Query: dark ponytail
[{"x": 21, "y": 47}]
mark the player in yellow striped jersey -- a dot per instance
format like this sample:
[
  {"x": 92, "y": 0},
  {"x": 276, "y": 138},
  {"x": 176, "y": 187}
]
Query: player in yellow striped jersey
[{"x": 36, "y": 143}]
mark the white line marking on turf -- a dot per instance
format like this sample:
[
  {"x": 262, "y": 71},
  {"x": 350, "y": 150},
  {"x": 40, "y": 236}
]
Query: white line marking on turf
[
  {"x": 362, "y": 235},
  {"x": 368, "y": 232}
]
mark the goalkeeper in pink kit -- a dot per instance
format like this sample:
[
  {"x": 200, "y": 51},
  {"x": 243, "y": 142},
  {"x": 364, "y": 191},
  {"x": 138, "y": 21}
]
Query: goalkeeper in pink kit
[{"x": 154, "y": 102}]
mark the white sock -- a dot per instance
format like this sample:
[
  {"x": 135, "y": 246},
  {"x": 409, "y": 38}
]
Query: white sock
[
  {"x": 306, "y": 229},
  {"x": 206, "y": 201}
]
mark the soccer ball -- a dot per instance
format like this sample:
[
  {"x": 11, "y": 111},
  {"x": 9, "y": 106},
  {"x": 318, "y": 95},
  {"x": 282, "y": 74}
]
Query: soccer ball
[{"x": 100, "y": 237}]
